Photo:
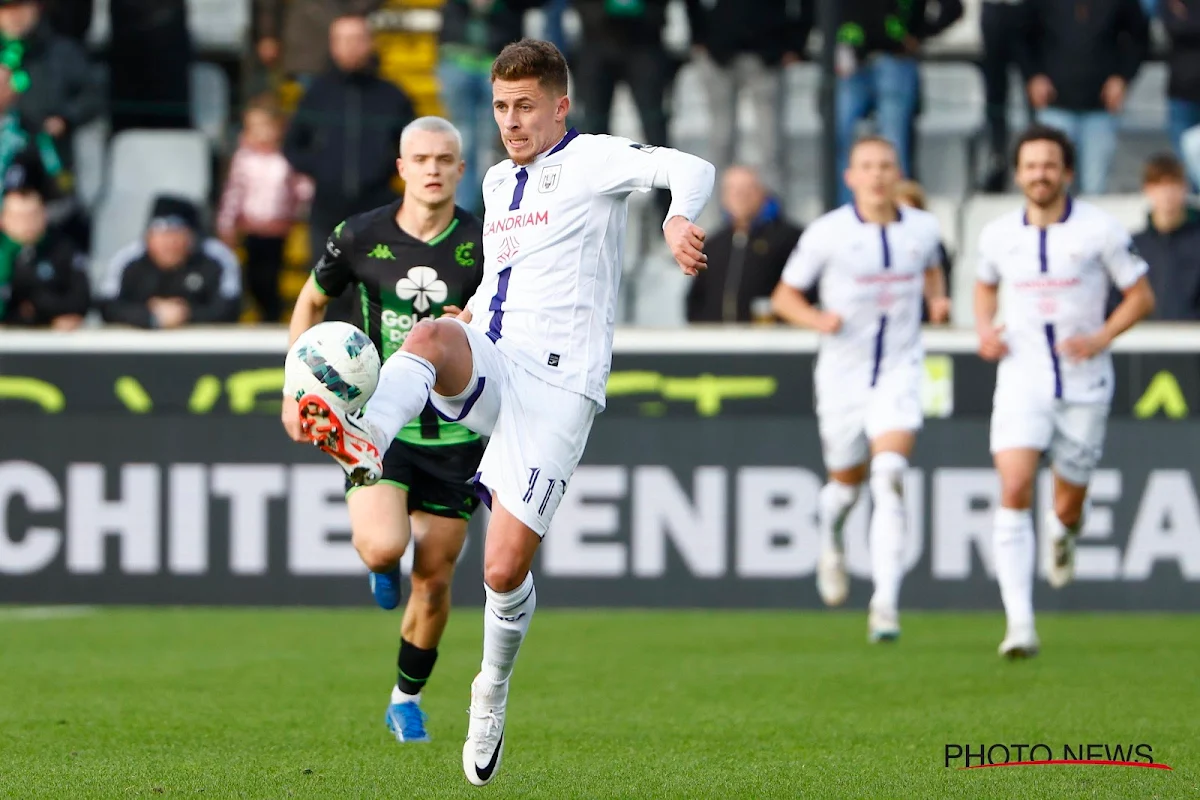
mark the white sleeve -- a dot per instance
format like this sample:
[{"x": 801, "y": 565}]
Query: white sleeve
[
  {"x": 627, "y": 166},
  {"x": 986, "y": 270},
  {"x": 231, "y": 270},
  {"x": 1124, "y": 263},
  {"x": 110, "y": 287},
  {"x": 806, "y": 262}
]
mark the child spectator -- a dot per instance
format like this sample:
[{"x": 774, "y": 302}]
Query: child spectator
[{"x": 260, "y": 202}]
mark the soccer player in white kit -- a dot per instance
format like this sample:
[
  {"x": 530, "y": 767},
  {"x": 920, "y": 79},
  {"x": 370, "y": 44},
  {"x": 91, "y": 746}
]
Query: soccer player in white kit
[
  {"x": 527, "y": 361},
  {"x": 1053, "y": 260},
  {"x": 872, "y": 262}
]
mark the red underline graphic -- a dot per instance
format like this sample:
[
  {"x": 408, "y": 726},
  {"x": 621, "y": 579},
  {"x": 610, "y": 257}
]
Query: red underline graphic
[{"x": 1073, "y": 762}]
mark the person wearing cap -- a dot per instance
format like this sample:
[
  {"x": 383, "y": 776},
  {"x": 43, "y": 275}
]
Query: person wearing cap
[{"x": 175, "y": 276}]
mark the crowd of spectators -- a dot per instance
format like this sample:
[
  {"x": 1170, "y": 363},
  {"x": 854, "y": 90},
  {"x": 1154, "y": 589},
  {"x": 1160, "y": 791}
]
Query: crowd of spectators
[{"x": 334, "y": 155}]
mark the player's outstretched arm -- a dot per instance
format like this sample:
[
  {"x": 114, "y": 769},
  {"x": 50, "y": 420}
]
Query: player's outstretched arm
[{"x": 628, "y": 166}]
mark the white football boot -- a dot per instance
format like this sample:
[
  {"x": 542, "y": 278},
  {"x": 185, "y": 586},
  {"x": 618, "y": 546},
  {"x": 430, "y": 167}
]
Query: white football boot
[
  {"x": 1060, "y": 569},
  {"x": 833, "y": 583},
  {"x": 883, "y": 625},
  {"x": 485, "y": 734},
  {"x": 1020, "y": 641},
  {"x": 346, "y": 436}
]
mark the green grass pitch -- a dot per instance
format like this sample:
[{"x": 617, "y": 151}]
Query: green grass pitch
[{"x": 289, "y": 703}]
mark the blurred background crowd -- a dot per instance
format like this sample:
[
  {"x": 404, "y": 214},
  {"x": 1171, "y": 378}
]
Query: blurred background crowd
[{"x": 176, "y": 162}]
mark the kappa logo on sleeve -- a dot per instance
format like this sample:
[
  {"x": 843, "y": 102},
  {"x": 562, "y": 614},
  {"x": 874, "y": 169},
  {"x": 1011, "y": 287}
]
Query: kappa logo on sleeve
[{"x": 645, "y": 148}]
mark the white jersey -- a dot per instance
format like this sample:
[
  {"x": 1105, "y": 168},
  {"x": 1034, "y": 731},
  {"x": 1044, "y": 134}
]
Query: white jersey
[
  {"x": 873, "y": 277},
  {"x": 553, "y": 239},
  {"x": 1054, "y": 284}
]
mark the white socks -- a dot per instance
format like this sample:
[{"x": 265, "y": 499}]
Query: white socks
[
  {"x": 1014, "y": 554},
  {"x": 404, "y": 385},
  {"x": 506, "y": 618},
  {"x": 886, "y": 534},
  {"x": 834, "y": 502},
  {"x": 403, "y": 697}
]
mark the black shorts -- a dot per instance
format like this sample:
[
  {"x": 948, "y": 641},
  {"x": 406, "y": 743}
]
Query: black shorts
[{"x": 439, "y": 479}]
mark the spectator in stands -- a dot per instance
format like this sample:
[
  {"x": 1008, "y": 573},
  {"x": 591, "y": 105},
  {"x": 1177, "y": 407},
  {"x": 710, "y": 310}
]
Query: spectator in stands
[
  {"x": 149, "y": 61},
  {"x": 345, "y": 136},
  {"x": 746, "y": 255},
  {"x": 473, "y": 33},
  {"x": 1002, "y": 27},
  {"x": 292, "y": 33},
  {"x": 554, "y": 31},
  {"x": 623, "y": 41},
  {"x": 1171, "y": 241},
  {"x": 911, "y": 194},
  {"x": 260, "y": 202},
  {"x": 1181, "y": 18},
  {"x": 60, "y": 88},
  {"x": 878, "y": 46},
  {"x": 1078, "y": 59},
  {"x": 742, "y": 48},
  {"x": 174, "y": 277},
  {"x": 43, "y": 278}
]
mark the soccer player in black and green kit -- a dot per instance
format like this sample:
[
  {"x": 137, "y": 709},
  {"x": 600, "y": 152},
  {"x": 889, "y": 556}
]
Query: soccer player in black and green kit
[{"x": 416, "y": 258}]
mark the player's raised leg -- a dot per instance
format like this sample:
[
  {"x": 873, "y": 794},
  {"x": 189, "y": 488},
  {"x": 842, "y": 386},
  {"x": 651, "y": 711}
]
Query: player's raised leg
[
  {"x": 886, "y": 536},
  {"x": 508, "y": 611},
  {"x": 1014, "y": 549},
  {"x": 438, "y": 543},
  {"x": 435, "y": 357}
]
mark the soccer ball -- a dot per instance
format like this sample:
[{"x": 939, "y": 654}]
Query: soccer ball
[{"x": 334, "y": 360}]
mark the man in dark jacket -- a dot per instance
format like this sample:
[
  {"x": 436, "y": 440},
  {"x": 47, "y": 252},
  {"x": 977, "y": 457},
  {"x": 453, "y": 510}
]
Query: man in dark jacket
[
  {"x": 746, "y": 256},
  {"x": 1078, "y": 58},
  {"x": 1171, "y": 241},
  {"x": 61, "y": 91},
  {"x": 878, "y": 44},
  {"x": 346, "y": 135},
  {"x": 43, "y": 278},
  {"x": 293, "y": 33},
  {"x": 173, "y": 278},
  {"x": 742, "y": 48}
]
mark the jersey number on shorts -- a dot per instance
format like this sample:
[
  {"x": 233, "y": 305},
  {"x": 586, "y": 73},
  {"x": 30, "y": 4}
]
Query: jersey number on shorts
[{"x": 532, "y": 495}]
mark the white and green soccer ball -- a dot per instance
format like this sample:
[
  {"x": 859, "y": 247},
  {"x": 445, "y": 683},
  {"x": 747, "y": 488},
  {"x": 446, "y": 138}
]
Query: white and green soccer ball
[{"x": 333, "y": 360}]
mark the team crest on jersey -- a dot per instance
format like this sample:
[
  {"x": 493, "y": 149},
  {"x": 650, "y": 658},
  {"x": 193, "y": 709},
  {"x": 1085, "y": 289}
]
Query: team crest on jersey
[{"x": 548, "y": 181}]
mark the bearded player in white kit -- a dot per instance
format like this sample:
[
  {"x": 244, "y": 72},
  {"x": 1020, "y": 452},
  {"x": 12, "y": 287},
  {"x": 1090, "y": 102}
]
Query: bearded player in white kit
[
  {"x": 1054, "y": 261},
  {"x": 872, "y": 262},
  {"x": 527, "y": 361}
]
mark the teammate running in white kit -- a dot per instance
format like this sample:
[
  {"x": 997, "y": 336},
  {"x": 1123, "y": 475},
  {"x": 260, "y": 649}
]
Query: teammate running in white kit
[
  {"x": 872, "y": 263},
  {"x": 1053, "y": 260}
]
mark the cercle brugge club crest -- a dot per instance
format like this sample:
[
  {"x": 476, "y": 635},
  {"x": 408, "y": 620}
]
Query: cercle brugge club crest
[{"x": 423, "y": 287}]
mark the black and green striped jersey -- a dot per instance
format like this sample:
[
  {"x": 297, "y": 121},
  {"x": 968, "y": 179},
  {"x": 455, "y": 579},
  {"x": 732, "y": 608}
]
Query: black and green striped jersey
[{"x": 401, "y": 280}]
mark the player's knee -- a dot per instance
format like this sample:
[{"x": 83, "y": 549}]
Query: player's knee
[
  {"x": 425, "y": 340},
  {"x": 1016, "y": 491},
  {"x": 504, "y": 574},
  {"x": 887, "y": 474},
  {"x": 377, "y": 556}
]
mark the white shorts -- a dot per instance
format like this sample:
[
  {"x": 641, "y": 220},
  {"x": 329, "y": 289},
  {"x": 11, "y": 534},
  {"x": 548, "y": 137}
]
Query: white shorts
[
  {"x": 848, "y": 421},
  {"x": 1073, "y": 433},
  {"x": 537, "y": 432}
]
